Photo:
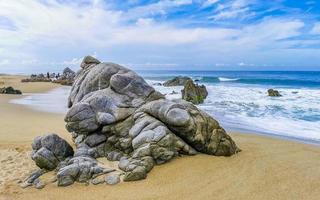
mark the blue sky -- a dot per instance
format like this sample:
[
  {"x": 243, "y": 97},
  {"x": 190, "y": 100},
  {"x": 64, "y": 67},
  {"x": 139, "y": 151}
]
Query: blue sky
[{"x": 41, "y": 35}]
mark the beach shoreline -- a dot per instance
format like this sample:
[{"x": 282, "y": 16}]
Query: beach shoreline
[{"x": 267, "y": 167}]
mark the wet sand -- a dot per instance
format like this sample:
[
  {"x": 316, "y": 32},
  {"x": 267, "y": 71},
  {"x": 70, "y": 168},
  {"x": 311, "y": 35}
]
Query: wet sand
[{"x": 267, "y": 168}]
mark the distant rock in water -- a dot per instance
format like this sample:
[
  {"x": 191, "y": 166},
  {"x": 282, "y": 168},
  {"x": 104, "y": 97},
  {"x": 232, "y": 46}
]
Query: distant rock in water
[
  {"x": 194, "y": 93},
  {"x": 177, "y": 81},
  {"x": 274, "y": 93},
  {"x": 115, "y": 114},
  {"x": 9, "y": 90}
]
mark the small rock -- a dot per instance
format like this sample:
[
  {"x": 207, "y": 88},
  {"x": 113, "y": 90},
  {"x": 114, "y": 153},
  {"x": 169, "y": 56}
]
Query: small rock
[
  {"x": 35, "y": 175},
  {"x": 38, "y": 184},
  {"x": 112, "y": 179},
  {"x": 98, "y": 180},
  {"x": 114, "y": 156},
  {"x": 25, "y": 184},
  {"x": 274, "y": 93},
  {"x": 9, "y": 90}
]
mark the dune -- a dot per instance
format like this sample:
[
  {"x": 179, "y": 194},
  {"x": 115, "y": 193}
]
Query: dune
[{"x": 267, "y": 168}]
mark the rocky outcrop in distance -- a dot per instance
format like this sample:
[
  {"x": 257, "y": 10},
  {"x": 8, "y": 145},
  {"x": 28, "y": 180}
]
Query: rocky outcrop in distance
[
  {"x": 194, "y": 93},
  {"x": 115, "y": 114},
  {"x": 66, "y": 78}
]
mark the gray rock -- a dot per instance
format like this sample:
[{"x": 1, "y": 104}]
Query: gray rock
[
  {"x": 177, "y": 81},
  {"x": 9, "y": 90},
  {"x": 137, "y": 173},
  {"x": 114, "y": 113},
  {"x": 112, "y": 179},
  {"x": 45, "y": 159},
  {"x": 114, "y": 156},
  {"x": 95, "y": 139},
  {"x": 35, "y": 175},
  {"x": 98, "y": 180},
  {"x": 39, "y": 184},
  {"x": 274, "y": 93},
  {"x": 194, "y": 93},
  {"x": 123, "y": 163},
  {"x": 49, "y": 150},
  {"x": 89, "y": 60}
]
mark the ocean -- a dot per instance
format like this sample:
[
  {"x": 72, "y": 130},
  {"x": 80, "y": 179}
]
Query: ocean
[{"x": 239, "y": 100}]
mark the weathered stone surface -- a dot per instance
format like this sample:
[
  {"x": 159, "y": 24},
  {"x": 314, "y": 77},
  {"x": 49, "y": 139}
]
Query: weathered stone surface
[
  {"x": 177, "y": 81},
  {"x": 34, "y": 175},
  {"x": 194, "y": 93},
  {"x": 114, "y": 113},
  {"x": 9, "y": 90},
  {"x": 274, "y": 93},
  {"x": 112, "y": 179},
  {"x": 49, "y": 150},
  {"x": 98, "y": 180},
  {"x": 39, "y": 184}
]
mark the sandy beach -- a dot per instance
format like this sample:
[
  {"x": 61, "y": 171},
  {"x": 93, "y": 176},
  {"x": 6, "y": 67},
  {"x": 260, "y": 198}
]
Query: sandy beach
[{"x": 267, "y": 168}]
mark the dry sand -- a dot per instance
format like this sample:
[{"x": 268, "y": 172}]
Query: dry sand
[{"x": 267, "y": 168}]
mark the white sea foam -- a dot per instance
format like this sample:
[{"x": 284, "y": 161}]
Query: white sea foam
[
  {"x": 295, "y": 114},
  {"x": 54, "y": 101},
  {"x": 223, "y": 79}
]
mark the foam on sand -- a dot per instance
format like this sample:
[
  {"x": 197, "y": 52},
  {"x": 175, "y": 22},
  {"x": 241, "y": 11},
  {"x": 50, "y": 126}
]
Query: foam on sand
[{"x": 53, "y": 101}]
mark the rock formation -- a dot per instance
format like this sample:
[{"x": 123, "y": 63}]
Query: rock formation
[
  {"x": 274, "y": 93},
  {"x": 114, "y": 113},
  {"x": 177, "y": 81},
  {"x": 9, "y": 90},
  {"x": 194, "y": 93},
  {"x": 67, "y": 77},
  {"x": 37, "y": 78},
  {"x": 49, "y": 150}
]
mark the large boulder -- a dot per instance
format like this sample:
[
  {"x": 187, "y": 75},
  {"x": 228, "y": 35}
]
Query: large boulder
[
  {"x": 177, "y": 81},
  {"x": 194, "y": 93},
  {"x": 115, "y": 114},
  {"x": 274, "y": 93},
  {"x": 49, "y": 150},
  {"x": 9, "y": 90}
]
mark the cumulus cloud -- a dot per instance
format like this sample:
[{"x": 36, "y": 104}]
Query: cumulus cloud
[{"x": 58, "y": 33}]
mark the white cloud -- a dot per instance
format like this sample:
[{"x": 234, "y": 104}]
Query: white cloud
[
  {"x": 316, "y": 29},
  {"x": 208, "y": 3},
  {"x": 233, "y": 9},
  {"x": 62, "y": 33},
  {"x": 161, "y": 7}
]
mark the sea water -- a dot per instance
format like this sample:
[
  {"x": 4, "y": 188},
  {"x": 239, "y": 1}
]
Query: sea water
[
  {"x": 54, "y": 101},
  {"x": 238, "y": 100}
]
